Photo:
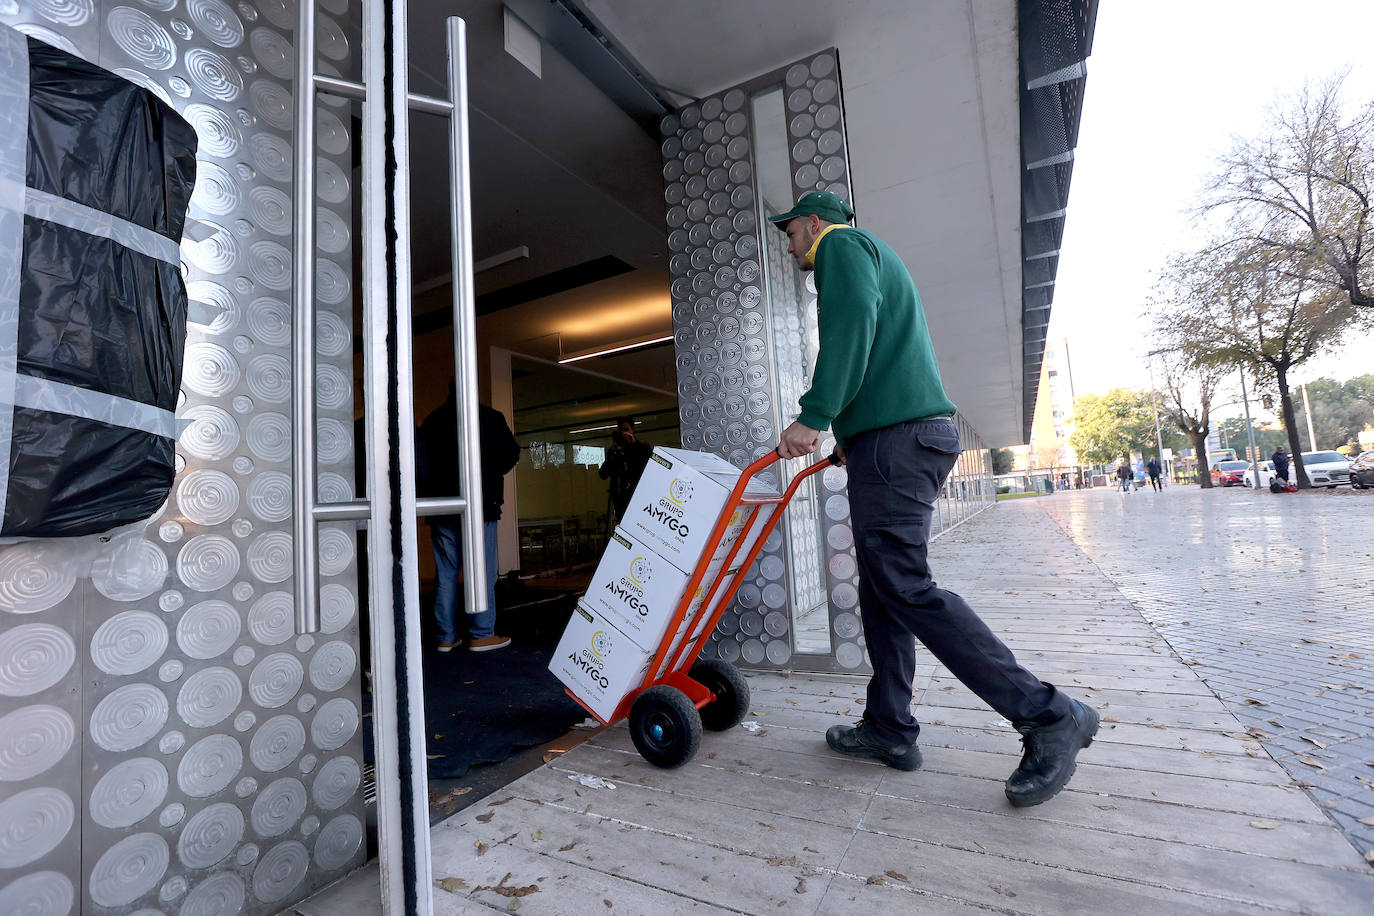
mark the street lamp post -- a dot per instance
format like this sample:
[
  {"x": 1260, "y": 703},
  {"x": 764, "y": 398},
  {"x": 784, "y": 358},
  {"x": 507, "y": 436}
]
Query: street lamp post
[
  {"x": 1307, "y": 409},
  {"x": 1154, "y": 408},
  {"x": 1250, "y": 429}
]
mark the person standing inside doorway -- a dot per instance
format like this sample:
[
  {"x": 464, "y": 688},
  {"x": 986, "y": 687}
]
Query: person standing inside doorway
[
  {"x": 437, "y": 469},
  {"x": 1124, "y": 475},
  {"x": 1152, "y": 468},
  {"x": 1280, "y": 459},
  {"x": 624, "y": 464},
  {"x": 877, "y": 384}
]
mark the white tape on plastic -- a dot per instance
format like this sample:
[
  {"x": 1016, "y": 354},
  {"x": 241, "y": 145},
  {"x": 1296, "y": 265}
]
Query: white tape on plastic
[
  {"x": 57, "y": 397},
  {"x": 69, "y": 213},
  {"x": 14, "y": 144}
]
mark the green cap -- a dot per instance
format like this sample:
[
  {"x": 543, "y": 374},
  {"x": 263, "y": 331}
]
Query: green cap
[{"x": 825, "y": 204}]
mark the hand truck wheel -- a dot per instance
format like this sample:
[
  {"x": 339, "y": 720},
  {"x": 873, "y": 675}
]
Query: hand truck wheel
[
  {"x": 731, "y": 704},
  {"x": 665, "y": 726}
]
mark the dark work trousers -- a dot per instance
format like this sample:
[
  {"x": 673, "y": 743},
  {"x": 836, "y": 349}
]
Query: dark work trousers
[{"x": 895, "y": 476}]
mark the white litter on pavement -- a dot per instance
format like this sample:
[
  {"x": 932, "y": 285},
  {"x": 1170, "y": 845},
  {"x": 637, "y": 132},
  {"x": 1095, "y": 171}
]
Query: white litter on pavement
[
  {"x": 751, "y": 726},
  {"x": 590, "y": 781}
]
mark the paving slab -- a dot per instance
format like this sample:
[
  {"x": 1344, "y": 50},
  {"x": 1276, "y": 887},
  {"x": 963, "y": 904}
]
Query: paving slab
[
  {"x": 1178, "y": 807},
  {"x": 1272, "y": 607}
]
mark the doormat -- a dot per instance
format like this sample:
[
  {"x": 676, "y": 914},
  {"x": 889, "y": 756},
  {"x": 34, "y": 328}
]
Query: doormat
[{"x": 481, "y": 706}]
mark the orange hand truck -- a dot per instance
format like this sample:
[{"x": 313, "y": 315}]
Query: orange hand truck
[{"x": 672, "y": 705}]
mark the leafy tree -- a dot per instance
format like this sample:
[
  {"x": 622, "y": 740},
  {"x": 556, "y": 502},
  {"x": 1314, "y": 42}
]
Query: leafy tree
[
  {"x": 1001, "y": 461},
  {"x": 1304, "y": 187},
  {"x": 1112, "y": 425},
  {"x": 1233, "y": 435},
  {"x": 1340, "y": 411},
  {"x": 1253, "y": 307}
]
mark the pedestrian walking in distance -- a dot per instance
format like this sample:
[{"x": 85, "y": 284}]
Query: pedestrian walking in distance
[
  {"x": 1152, "y": 468},
  {"x": 1123, "y": 474},
  {"x": 876, "y": 383}
]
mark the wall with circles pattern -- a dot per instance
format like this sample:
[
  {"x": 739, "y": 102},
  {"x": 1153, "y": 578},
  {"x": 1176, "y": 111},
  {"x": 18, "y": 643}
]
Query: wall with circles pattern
[
  {"x": 168, "y": 743},
  {"x": 741, "y": 336}
]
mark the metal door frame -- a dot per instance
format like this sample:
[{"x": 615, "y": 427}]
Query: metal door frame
[{"x": 398, "y": 698}]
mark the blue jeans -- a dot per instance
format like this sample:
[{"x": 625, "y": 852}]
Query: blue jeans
[
  {"x": 895, "y": 476},
  {"x": 448, "y": 560}
]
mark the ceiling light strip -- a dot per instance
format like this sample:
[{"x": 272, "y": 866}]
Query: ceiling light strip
[{"x": 623, "y": 348}]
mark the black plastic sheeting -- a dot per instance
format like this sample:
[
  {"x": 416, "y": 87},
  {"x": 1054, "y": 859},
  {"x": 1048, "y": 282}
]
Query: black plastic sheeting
[{"x": 92, "y": 313}]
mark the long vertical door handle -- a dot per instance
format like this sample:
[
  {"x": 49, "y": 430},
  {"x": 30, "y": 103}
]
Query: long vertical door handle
[
  {"x": 465, "y": 321},
  {"x": 303, "y": 330}
]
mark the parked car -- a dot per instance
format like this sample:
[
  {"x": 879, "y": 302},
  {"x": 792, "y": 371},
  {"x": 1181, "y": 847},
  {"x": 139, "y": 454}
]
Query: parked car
[
  {"x": 1326, "y": 469},
  {"x": 1266, "y": 474},
  {"x": 1229, "y": 473},
  {"x": 1362, "y": 470}
]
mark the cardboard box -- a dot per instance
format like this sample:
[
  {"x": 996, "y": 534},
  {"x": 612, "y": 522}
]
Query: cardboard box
[
  {"x": 638, "y": 591},
  {"x": 597, "y": 662},
  {"x": 678, "y": 501}
]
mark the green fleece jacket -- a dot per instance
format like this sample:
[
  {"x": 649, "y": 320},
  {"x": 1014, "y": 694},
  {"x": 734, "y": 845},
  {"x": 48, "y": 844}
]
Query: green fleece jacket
[{"x": 876, "y": 365}]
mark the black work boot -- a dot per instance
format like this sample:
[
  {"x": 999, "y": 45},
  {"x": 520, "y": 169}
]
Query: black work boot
[
  {"x": 859, "y": 740},
  {"x": 1048, "y": 762}
]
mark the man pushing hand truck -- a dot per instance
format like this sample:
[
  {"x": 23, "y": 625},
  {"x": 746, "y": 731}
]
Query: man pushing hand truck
[{"x": 877, "y": 384}]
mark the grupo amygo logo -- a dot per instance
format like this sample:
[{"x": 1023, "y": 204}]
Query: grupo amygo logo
[
  {"x": 641, "y": 570},
  {"x": 680, "y": 491},
  {"x": 601, "y": 644}
]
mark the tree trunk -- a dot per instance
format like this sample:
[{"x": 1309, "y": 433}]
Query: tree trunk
[
  {"x": 1204, "y": 473},
  {"x": 1290, "y": 424}
]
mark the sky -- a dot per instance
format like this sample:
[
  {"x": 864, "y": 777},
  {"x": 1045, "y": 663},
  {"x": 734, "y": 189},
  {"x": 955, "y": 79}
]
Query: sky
[{"x": 1170, "y": 83}]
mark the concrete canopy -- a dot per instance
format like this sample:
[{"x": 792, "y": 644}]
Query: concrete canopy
[{"x": 931, "y": 109}]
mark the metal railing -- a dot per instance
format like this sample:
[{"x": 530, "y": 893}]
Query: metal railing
[{"x": 969, "y": 488}]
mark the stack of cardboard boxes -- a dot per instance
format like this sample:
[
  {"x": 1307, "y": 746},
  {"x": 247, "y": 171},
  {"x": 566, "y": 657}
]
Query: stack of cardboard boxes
[{"x": 644, "y": 573}]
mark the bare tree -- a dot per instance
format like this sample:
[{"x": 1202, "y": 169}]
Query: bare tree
[
  {"x": 1186, "y": 399},
  {"x": 1251, "y": 306},
  {"x": 1304, "y": 187}
]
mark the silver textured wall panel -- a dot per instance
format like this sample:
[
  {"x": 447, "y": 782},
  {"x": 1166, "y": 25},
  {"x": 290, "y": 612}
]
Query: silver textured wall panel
[
  {"x": 744, "y": 347},
  {"x": 745, "y": 333},
  {"x": 168, "y": 744}
]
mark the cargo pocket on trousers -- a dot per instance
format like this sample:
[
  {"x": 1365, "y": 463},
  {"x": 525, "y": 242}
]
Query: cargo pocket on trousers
[{"x": 946, "y": 442}]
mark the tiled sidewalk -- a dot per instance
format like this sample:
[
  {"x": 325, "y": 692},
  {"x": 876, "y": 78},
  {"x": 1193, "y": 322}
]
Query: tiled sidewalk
[
  {"x": 1270, "y": 599},
  {"x": 1173, "y": 810}
]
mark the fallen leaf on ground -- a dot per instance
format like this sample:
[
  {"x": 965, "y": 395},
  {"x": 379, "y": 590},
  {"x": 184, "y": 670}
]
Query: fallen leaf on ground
[
  {"x": 898, "y": 875},
  {"x": 452, "y": 885},
  {"x": 1369, "y": 857},
  {"x": 1312, "y": 740},
  {"x": 779, "y": 861},
  {"x": 1312, "y": 763},
  {"x": 1243, "y": 736},
  {"x": 1264, "y": 825},
  {"x": 568, "y": 847},
  {"x": 486, "y": 818},
  {"x": 801, "y": 886},
  {"x": 508, "y": 798},
  {"x": 875, "y": 879},
  {"x": 505, "y": 891},
  {"x": 537, "y": 836},
  {"x": 1367, "y": 821},
  {"x": 481, "y": 848}
]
